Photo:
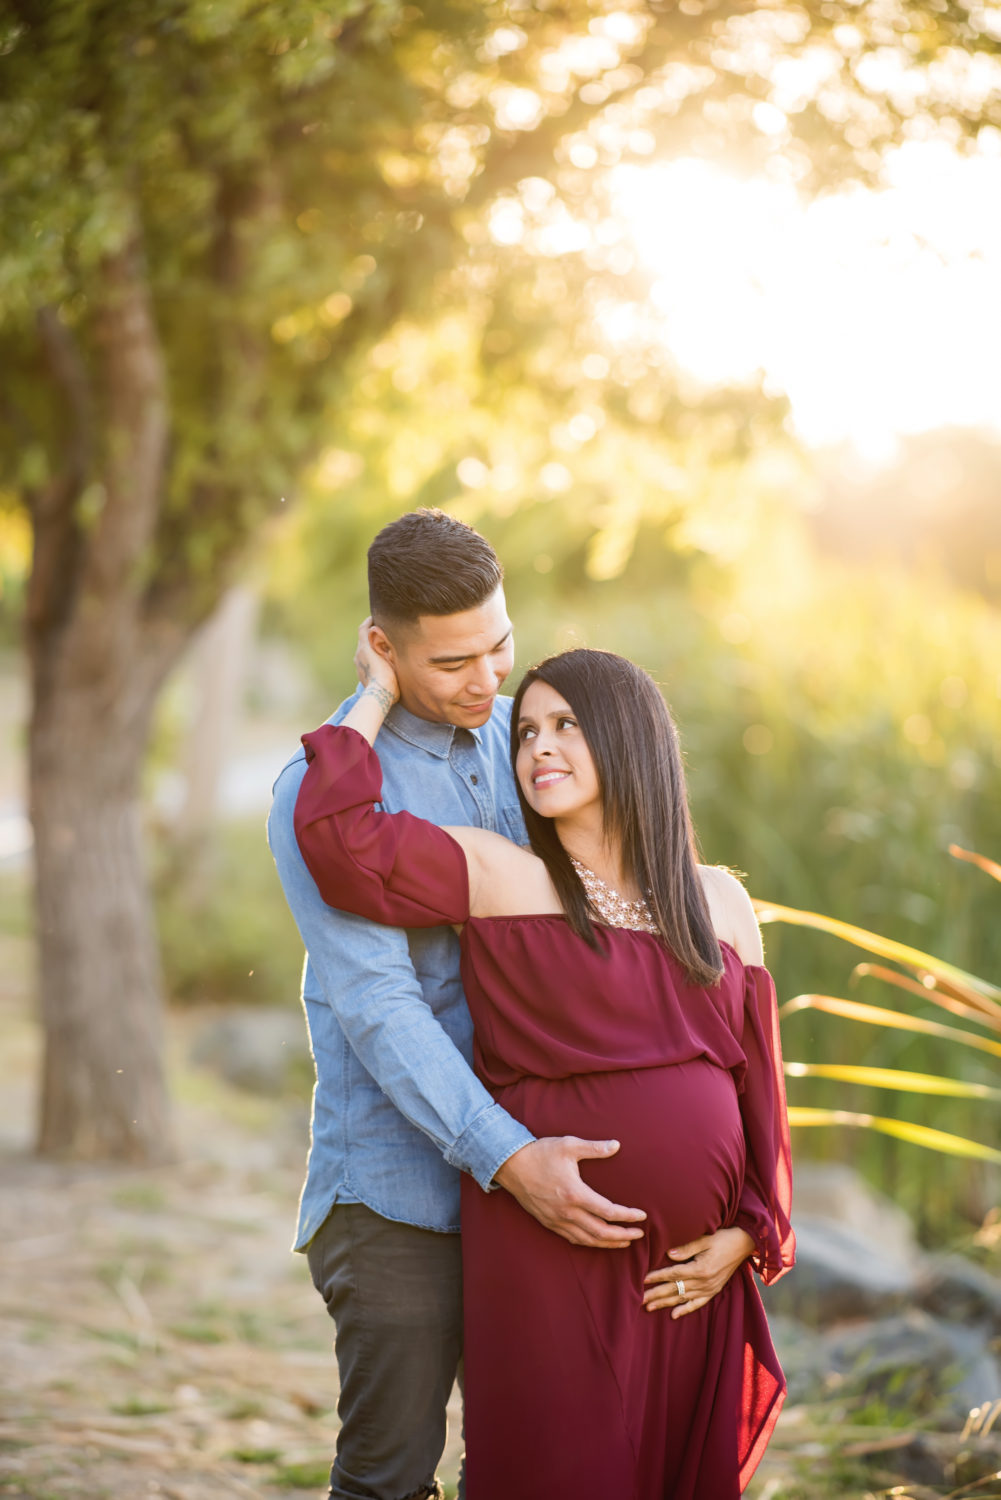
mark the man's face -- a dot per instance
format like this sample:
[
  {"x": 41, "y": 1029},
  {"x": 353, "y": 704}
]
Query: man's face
[{"x": 450, "y": 667}]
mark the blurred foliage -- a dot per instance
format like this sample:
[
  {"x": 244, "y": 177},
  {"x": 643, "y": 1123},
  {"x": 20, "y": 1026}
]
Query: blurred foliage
[
  {"x": 937, "y": 507},
  {"x": 226, "y": 935},
  {"x": 374, "y": 239},
  {"x": 294, "y": 182}
]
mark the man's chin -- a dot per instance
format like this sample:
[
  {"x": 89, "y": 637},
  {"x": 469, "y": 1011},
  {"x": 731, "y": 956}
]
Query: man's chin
[{"x": 474, "y": 716}]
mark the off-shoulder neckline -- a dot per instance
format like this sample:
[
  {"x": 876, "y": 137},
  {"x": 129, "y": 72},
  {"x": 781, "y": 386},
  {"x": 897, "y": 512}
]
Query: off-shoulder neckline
[{"x": 561, "y": 916}]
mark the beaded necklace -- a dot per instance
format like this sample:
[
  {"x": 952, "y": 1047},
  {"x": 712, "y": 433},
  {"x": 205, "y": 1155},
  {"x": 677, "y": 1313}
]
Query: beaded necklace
[{"x": 613, "y": 909}]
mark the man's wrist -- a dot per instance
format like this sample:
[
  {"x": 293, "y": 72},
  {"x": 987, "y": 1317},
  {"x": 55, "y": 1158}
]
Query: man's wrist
[
  {"x": 490, "y": 1140},
  {"x": 509, "y": 1169}
]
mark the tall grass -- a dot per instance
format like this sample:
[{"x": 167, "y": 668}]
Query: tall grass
[{"x": 924, "y": 980}]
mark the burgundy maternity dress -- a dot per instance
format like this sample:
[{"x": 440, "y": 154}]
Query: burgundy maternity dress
[{"x": 573, "y": 1391}]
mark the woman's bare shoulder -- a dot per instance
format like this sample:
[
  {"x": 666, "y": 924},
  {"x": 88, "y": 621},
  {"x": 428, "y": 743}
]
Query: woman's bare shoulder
[
  {"x": 731, "y": 912},
  {"x": 505, "y": 880}
]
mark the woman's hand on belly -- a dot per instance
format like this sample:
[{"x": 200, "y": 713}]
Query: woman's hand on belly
[{"x": 698, "y": 1271}]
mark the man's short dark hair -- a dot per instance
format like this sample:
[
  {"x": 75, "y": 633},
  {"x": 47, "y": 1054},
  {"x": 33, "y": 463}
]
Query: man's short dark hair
[{"x": 428, "y": 563}]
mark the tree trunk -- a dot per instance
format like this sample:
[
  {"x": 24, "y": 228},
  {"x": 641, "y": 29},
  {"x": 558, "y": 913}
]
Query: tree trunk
[
  {"x": 103, "y": 1085},
  {"x": 97, "y": 663}
]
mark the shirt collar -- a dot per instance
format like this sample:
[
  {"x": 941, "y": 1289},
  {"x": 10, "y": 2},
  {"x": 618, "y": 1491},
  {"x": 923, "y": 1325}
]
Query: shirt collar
[{"x": 436, "y": 738}]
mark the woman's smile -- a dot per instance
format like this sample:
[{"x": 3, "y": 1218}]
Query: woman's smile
[{"x": 546, "y": 778}]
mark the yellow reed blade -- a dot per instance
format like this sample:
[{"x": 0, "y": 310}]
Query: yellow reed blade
[
  {"x": 875, "y": 1015},
  {"x": 928, "y": 991},
  {"x": 893, "y": 1078},
  {"x": 917, "y": 1135},
  {"x": 966, "y": 986},
  {"x": 989, "y": 866}
]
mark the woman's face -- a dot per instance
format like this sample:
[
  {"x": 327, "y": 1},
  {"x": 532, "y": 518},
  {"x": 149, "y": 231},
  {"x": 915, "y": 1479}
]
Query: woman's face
[{"x": 555, "y": 768}]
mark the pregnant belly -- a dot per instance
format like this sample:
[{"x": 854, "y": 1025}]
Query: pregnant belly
[{"x": 681, "y": 1154}]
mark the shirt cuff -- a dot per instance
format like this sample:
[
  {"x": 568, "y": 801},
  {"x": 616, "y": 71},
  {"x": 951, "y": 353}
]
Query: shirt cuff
[{"x": 486, "y": 1144}]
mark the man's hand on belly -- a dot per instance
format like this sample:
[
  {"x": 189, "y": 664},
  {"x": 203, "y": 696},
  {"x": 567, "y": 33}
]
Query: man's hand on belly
[
  {"x": 698, "y": 1271},
  {"x": 545, "y": 1179}
]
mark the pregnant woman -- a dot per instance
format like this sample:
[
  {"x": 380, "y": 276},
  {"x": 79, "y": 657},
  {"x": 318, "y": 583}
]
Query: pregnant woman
[{"x": 617, "y": 992}]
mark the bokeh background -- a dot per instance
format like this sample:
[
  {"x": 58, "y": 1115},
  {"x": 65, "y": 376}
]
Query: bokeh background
[{"x": 692, "y": 309}]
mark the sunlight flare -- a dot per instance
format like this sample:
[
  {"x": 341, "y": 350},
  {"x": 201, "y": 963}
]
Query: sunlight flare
[{"x": 875, "y": 311}]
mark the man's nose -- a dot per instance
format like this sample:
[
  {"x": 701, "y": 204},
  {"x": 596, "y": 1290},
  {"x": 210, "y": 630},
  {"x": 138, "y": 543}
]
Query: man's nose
[{"x": 484, "y": 678}]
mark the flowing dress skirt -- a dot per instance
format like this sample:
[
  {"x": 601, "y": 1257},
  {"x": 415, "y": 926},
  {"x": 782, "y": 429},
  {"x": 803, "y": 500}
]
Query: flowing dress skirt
[{"x": 574, "y": 1392}]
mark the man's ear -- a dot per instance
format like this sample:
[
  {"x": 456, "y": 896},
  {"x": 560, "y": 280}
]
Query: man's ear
[{"x": 380, "y": 642}]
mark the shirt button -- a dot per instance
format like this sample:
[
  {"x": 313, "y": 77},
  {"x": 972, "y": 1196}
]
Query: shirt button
[{"x": 475, "y": 779}]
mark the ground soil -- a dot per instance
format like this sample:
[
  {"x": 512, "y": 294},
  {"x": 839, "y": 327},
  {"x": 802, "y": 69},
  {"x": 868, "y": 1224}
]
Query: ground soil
[{"x": 157, "y": 1337}]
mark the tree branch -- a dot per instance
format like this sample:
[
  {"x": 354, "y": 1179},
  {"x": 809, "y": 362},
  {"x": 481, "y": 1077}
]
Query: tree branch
[
  {"x": 57, "y": 538},
  {"x": 135, "y": 413},
  {"x": 531, "y": 153}
]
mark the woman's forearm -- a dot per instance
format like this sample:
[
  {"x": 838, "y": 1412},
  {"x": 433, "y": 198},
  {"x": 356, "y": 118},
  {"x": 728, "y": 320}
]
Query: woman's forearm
[{"x": 368, "y": 714}]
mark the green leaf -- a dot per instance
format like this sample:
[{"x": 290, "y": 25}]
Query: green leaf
[
  {"x": 903, "y": 1130},
  {"x": 893, "y": 1078}
]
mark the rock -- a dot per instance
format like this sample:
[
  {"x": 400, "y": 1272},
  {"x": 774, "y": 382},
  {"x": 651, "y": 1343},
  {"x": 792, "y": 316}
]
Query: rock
[
  {"x": 856, "y": 1257},
  {"x": 869, "y": 1319},
  {"x": 957, "y": 1289},
  {"x": 262, "y": 1050},
  {"x": 938, "y": 1459},
  {"x": 915, "y": 1361},
  {"x": 839, "y": 1195},
  {"x": 803, "y": 1359},
  {"x": 840, "y": 1275},
  {"x": 910, "y": 1456}
]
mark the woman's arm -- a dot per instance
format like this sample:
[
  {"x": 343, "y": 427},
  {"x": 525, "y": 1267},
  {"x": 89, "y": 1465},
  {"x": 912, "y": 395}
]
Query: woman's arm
[
  {"x": 762, "y": 1230},
  {"x": 394, "y": 868},
  {"x": 766, "y": 1199},
  {"x": 380, "y": 687}
]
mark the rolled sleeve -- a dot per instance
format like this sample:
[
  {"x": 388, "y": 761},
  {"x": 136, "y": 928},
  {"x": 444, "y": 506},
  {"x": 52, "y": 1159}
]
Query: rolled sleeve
[{"x": 487, "y": 1143}]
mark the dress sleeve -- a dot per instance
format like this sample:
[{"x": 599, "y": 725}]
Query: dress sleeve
[
  {"x": 766, "y": 1199},
  {"x": 392, "y": 868}
]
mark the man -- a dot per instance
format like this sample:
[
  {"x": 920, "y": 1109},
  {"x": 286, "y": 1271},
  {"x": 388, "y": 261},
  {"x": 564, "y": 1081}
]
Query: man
[{"x": 397, "y": 1110}]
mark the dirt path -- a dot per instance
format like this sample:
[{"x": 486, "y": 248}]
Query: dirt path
[{"x": 157, "y": 1338}]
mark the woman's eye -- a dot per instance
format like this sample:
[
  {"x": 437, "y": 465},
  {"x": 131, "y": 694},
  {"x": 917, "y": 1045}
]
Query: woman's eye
[
  {"x": 571, "y": 723},
  {"x": 526, "y": 734}
]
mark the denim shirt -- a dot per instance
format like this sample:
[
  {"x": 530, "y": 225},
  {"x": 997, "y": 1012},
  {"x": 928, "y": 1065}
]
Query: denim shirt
[{"x": 397, "y": 1109}]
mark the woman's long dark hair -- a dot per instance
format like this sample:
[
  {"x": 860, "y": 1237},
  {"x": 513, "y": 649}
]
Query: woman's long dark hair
[{"x": 634, "y": 745}]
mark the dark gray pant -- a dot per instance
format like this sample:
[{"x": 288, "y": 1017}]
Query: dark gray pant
[{"x": 395, "y": 1295}]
